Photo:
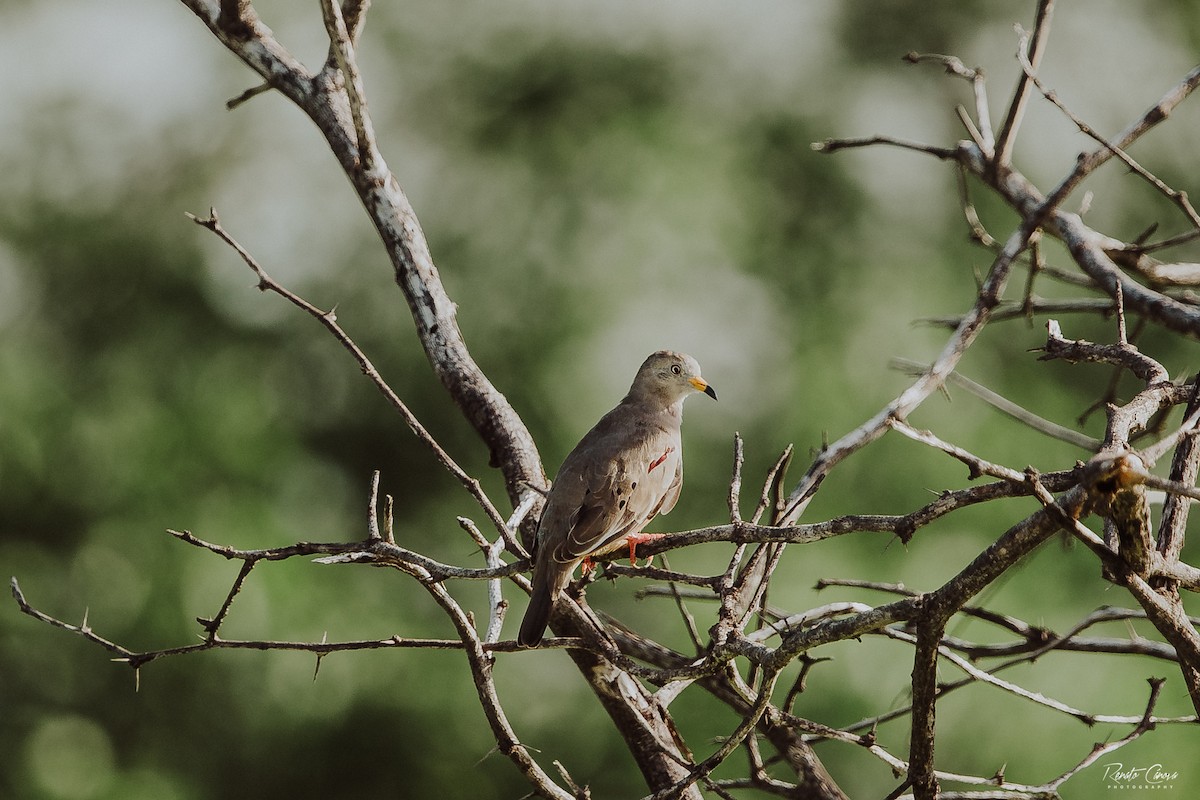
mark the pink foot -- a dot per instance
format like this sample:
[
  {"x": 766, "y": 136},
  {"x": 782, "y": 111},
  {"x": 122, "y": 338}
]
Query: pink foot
[{"x": 634, "y": 539}]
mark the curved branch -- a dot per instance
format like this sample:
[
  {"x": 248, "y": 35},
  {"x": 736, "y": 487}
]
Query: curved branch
[{"x": 323, "y": 97}]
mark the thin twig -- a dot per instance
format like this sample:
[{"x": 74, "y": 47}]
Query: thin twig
[
  {"x": 834, "y": 145},
  {"x": 981, "y": 133},
  {"x": 1008, "y": 407},
  {"x": 329, "y": 320},
  {"x": 735, "y": 481},
  {"x": 247, "y": 95},
  {"x": 373, "y": 508},
  {"x": 1179, "y": 198},
  {"x": 1006, "y": 139}
]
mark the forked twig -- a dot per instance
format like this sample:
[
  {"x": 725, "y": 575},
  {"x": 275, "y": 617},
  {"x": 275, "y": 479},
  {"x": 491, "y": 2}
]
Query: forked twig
[{"x": 329, "y": 320}]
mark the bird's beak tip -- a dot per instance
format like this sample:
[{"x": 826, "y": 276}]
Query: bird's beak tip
[{"x": 701, "y": 385}]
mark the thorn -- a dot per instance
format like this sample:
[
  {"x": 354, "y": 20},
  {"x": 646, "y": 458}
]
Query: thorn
[
  {"x": 488, "y": 755},
  {"x": 317, "y": 668},
  {"x": 1085, "y": 205},
  {"x": 1146, "y": 234},
  {"x": 388, "y": 505},
  {"x": 1122, "y": 333}
]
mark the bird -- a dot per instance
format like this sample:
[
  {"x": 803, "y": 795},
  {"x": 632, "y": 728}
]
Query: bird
[{"x": 624, "y": 472}]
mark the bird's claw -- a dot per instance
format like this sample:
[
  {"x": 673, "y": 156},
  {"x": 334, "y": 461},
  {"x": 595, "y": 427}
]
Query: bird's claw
[{"x": 633, "y": 540}]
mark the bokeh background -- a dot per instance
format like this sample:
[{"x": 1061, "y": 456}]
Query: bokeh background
[{"x": 597, "y": 180}]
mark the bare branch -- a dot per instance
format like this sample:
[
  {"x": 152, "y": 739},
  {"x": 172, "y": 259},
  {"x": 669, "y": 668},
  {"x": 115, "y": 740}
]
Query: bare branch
[
  {"x": 247, "y": 95},
  {"x": 1099, "y": 750},
  {"x": 981, "y": 133},
  {"x": 354, "y": 12},
  {"x": 977, "y": 466},
  {"x": 325, "y": 102},
  {"x": 1034, "y": 305},
  {"x": 373, "y": 508},
  {"x": 329, "y": 320},
  {"x": 1184, "y": 470},
  {"x": 921, "y": 774},
  {"x": 343, "y": 56},
  {"x": 1007, "y": 137},
  {"x": 899, "y": 408},
  {"x": 1178, "y": 198},
  {"x": 834, "y": 145},
  {"x": 1008, "y": 407},
  {"x": 1155, "y": 271},
  {"x": 735, "y": 482},
  {"x": 1122, "y": 354},
  {"x": 771, "y": 484},
  {"x": 83, "y": 629}
]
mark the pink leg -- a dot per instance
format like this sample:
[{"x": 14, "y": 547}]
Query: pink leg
[{"x": 634, "y": 539}]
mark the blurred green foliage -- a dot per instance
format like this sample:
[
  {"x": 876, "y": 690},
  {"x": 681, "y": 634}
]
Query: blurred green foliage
[{"x": 594, "y": 186}]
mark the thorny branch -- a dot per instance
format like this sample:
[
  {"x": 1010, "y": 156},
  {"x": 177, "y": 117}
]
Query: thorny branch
[
  {"x": 329, "y": 320},
  {"x": 741, "y": 658},
  {"x": 1116, "y": 491}
]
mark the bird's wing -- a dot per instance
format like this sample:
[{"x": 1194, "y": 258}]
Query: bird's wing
[
  {"x": 672, "y": 495},
  {"x": 618, "y": 489}
]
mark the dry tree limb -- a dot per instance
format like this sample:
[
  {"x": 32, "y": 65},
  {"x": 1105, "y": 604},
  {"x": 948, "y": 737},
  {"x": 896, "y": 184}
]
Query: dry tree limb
[
  {"x": 329, "y": 320},
  {"x": 1007, "y": 137},
  {"x": 338, "y": 108},
  {"x": 1177, "y": 197},
  {"x": 323, "y": 96},
  {"x": 972, "y": 323},
  {"x": 1121, "y": 354},
  {"x": 1185, "y": 467},
  {"x": 1034, "y": 305},
  {"x": 1007, "y": 407}
]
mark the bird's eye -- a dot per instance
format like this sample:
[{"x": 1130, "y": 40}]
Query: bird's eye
[{"x": 675, "y": 368}]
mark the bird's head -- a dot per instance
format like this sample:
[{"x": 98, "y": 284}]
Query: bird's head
[{"x": 670, "y": 377}]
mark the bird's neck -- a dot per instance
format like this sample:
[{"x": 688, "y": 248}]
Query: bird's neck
[{"x": 658, "y": 405}]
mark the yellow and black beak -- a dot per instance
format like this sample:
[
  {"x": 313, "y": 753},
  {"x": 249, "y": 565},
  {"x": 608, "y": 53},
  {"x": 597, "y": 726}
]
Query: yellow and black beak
[{"x": 701, "y": 385}]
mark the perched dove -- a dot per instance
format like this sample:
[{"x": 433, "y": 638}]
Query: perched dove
[{"x": 623, "y": 473}]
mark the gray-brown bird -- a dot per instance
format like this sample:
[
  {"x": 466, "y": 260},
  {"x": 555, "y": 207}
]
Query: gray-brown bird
[{"x": 623, "y": 473}]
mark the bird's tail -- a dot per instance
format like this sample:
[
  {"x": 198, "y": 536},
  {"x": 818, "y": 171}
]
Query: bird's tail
[{"x": 541, "y": 601}]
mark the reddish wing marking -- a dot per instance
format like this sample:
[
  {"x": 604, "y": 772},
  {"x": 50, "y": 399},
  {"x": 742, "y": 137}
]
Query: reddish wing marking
[{"x": 660, "y": 459}]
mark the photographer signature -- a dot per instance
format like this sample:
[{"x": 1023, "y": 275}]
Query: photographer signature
[{"x": 1154, "y": 774}]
